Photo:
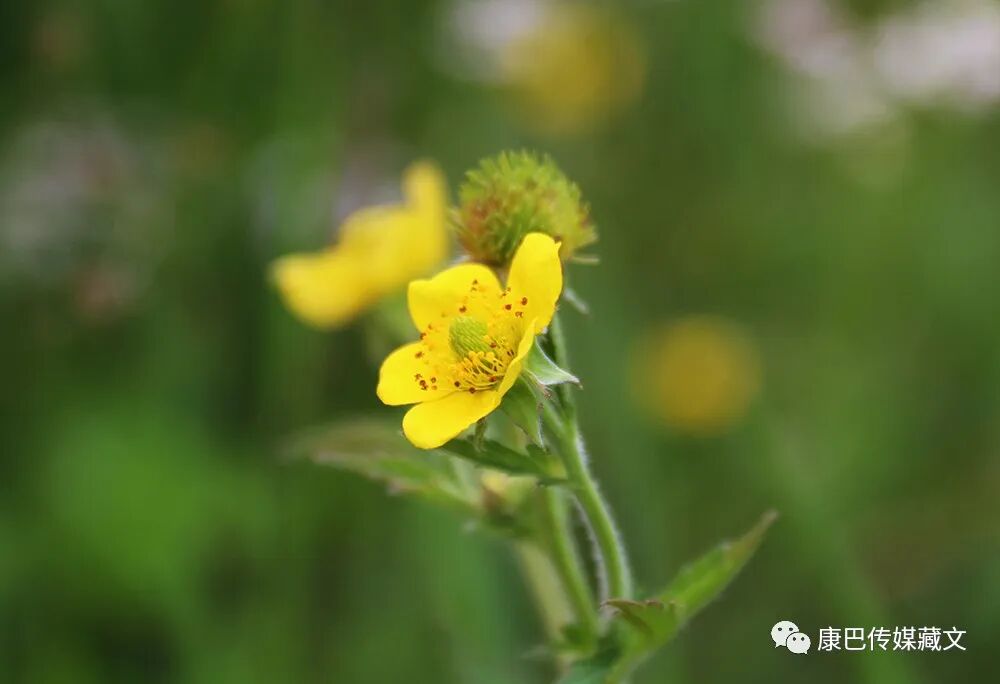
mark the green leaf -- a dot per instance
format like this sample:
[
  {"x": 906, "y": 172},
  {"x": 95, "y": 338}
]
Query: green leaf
[
  {"x": 656, "y": 621},
  {"x": 587, "y": 672},
  {"x": 493, "y": 454},
  {"x": 633, "y": 612},
  {"x": 377, "y": 450},
  {"x": 522, "y": 407},
  {"x": 544, "y": 370},
  {"x": 593, "y": 670}
]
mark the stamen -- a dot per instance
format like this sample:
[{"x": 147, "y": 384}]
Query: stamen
[{"x": 475, "y": 342}]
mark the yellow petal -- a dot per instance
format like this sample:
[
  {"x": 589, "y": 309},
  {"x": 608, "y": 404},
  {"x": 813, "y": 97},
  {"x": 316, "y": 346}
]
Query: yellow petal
[
  {"x": 380, "y": 250},
  {"x": 515, "y": 365},
  {"x": 399, "y": 378},
  {"x": 440, "y": 296},
  {"x": 425, "y": 189},
  {"x": 536, "y": 276},
  {"x": 423, "y": 241},
  {"x": 431, "y": 424},
  {"x": 374, "y": 238},
  {"x": 418, "y": 225},
  {"x": 368, "y": 228},
  {"x": 324, "y": 289}
]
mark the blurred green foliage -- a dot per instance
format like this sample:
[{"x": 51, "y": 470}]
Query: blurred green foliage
[{"x": 155, "y": 156}]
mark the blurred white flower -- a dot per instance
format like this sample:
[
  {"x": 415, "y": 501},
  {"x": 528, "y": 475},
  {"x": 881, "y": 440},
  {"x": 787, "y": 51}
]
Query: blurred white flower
[
  {"x": 836, "y": 93},
  {"x": 475, "y": 33},
  {"x": 855, "y": 77},
  {"x": 944, "y": 51},
  {"x": 839, "y": 106},
  {"x": 809, "y": 35}
]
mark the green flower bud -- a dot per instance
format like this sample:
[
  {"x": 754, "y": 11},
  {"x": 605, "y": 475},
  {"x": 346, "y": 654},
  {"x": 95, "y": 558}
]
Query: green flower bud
[{"x": 514, "y": 194}]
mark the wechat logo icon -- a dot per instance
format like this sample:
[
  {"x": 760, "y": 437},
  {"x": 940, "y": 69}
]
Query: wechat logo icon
[{"x": 787, "y": 634}]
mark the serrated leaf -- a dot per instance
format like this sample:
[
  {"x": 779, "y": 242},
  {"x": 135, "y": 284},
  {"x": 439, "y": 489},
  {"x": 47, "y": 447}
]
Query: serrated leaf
[
  {"x": 633, "y": 612},
  {"x": 654, "y": 622},
  {"x": 521, "y": 406},
  {"x": 377, "y": 450},
  {"x": 544, "y": 370},
  {"x": 495, "y": 455}
]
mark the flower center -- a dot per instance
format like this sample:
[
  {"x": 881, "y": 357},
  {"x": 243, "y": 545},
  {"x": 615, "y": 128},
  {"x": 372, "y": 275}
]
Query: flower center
[
  {"x": 470, "y": 347},
  {"x": 482, "y": 352},
  {"x": 467, "y": 334}
]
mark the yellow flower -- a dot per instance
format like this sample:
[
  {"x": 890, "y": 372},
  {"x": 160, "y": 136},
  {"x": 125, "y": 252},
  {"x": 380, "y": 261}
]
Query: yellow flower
[
  {"x": 474, "y": 336},
  {"x": 380, "y": 250},
  {"x": 580, "y": 67},
  {"x": 698, "y": 375}
]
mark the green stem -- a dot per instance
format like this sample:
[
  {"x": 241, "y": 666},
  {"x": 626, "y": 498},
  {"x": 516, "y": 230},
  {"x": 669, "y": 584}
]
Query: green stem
[
  {"x": 595, "y": 509},
  {"x": 566, "y": 428},
  {"x": 561, "y": 354},
  {"x": 546, "y": 585},
  {"x": 567, "y": 562}
]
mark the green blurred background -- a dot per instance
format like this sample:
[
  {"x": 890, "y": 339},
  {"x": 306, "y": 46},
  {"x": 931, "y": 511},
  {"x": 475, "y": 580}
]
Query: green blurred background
[{"x": 809, "y": 171}]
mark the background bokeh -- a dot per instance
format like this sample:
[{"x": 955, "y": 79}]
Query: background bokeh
[{"x": 810, "y": 184}]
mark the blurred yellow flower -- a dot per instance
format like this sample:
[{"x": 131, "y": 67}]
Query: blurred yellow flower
[
  {"x": 576, "y": 69},
  {"x": 474, "y": 336},
  {"x": 698, "y": 375},
  {"x": 380, "y": 250}
]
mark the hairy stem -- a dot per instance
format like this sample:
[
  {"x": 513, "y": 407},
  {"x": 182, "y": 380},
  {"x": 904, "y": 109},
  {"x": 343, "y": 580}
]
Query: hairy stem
[
  {"x": 565, "y": 427},
  {"x": 566, "y": 561}
]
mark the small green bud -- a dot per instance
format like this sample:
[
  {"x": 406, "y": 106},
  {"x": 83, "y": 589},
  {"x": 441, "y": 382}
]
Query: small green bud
[
  {"x": 516, "y": 193},
  {"x": 467, "y": 334}
]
